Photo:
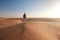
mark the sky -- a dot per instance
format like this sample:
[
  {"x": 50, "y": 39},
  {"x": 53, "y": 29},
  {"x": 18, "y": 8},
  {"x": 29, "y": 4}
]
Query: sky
[{"x": 32, "y": 8}]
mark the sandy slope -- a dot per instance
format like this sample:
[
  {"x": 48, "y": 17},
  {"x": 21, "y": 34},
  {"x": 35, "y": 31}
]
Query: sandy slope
[
  {"x": 6, "y": 23},
  {"x": 32, "y": 30},
  {"x": 11, "y": 32},
  {"x": 11, "y": 29},
  {"x": 40, "y": 30}
]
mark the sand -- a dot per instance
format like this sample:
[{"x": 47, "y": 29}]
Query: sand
[
  {"x": 40, "y": 30},
  {"x": 6, "y": 23},
  {"x": 11, "y": 29},
  {"x": 31, "y": 30}
]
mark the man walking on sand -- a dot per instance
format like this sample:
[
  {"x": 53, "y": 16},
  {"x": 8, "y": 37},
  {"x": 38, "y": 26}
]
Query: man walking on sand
[{"x": 24, "y": 18}]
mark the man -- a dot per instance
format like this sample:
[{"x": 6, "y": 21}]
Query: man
[{"x": 24, "y": 18}]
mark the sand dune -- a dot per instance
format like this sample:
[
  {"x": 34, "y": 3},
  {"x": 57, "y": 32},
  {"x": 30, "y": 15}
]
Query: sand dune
[
  {"x": 32, "y": 30},
  {"x": 13, "y": 32},
  {"x": 40, "y": 30},
  {"x": 11, "y": 29},
  {"x": 6, "y": 23}
]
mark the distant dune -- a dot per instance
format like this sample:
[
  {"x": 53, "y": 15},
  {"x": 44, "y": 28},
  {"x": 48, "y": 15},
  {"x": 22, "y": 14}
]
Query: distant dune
[{"x": 33, "y": 29}]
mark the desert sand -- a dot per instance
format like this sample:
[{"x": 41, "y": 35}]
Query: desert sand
[
  {"x": 40, "y": 30},
  {"x": 11, "y": 29},
  {"x": 31, "y": 30}
]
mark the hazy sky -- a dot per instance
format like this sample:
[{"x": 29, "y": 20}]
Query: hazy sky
[{"x": 33, "y": 8}]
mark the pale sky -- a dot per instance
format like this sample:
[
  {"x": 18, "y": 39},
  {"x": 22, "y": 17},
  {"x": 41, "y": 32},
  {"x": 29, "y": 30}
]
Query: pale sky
[{"x": 33, "y": 8}]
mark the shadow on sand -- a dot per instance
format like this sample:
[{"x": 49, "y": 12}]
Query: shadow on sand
[{"x": 12, "y": 32}]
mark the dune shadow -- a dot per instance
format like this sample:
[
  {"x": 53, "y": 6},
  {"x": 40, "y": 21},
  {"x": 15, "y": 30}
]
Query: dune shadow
[{"x": 13, "y": 32}]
